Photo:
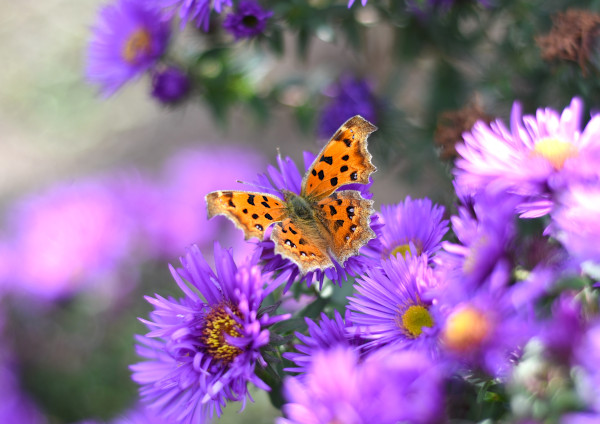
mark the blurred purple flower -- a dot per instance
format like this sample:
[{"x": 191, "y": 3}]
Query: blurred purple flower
[
  {"x": 128, "y": 39},
  {"x": 70, "y": 237},
  {"x": 196, "y": 11},
  {"x": 202, "y": 349},
  {"x": 411, "y": 227},
  {"x": 392, "y": 307},
  {"x": 486, "y": 230},
  {"x": 528, "y": 159},
  {"x": 247, "y": 21},
  {"x": 481, "y": 328},
  {"x": 176, "y": 216},
  {"x": 328, "y": 334},
  {"x": 170, "y": 85},
  {"x": 576, "y": 221},
  {"x": 349, "y": 96},
  {"x": 587, "y": 355},
  {"x": 387, "y": 387},
  {"x": 141, "y": 415},
  {"x": 288, "y": 177}
]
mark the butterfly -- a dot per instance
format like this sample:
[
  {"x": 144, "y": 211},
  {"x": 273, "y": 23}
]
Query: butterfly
[{"x": 324, "y": 222}]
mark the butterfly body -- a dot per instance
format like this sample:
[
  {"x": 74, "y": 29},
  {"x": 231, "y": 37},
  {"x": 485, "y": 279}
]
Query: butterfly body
[{"x": 321, "y": 224}]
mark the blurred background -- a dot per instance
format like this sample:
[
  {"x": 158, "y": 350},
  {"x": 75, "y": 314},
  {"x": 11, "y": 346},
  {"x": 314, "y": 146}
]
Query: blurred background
[{"x": 98, "y": 194}]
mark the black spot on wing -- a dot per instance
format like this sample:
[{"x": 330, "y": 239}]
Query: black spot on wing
[
  {"x": 332, "y": 210},
  {"x": 292, "y": 230},
  {"x": 334, "y": 181},
  {"x": 245, "y": 211},
  {"x": 265, "y": 198},
  {"x": 327, "y": 159},
  {"x": 321, "y": 175},
  {"x": 231, "y": 204},
  {"x": 347, "y": 142},
  {"x": 314, "y": 173},
  {"x": 259, "y": 227},
  {"x": 343, "y": 168},
  {"x": 338, "y": 224},
  {"x": 302, "y": 241},
  {"x": 345, "y": 157},
  {"x": 254, "y": 216},
  {"x": 268, "y": 216},
  {"x": 251, "y": 199},
  {"x": 338, "y": 135},
  {"x": 289, "y": 243},
  {"x": 353, "y": 228},
  {"x": 354, "y": 176},
  {"x": 265, "y": 204},
  {"x": 350, "y": 212},
  {"x": 339, "y": 201}
]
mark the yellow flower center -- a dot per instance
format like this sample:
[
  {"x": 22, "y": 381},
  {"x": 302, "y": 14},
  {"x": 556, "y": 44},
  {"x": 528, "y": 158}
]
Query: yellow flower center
[
  {"x": 466, "y": 329},
  {"x": 137, "y": 46},
  {"x": 414, "y": 319},
  {"x": 403, "y": 249},
  {"x": 218, "y": 323},
  {"x": 555, "y": 151}
]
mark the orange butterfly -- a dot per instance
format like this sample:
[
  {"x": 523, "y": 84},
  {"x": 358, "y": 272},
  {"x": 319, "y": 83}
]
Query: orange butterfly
[{"x": 322, "y": 223}]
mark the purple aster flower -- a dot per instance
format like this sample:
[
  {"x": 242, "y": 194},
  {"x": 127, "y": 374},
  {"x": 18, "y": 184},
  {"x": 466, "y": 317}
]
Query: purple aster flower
[
  {"x": 288, "y": 177},
  {"x": 411, "y": 227},
  {"x": 203, "y": 348},
  {"x": 485, "y": 228},
  {"x": 350, "y": 96},
  {"x": 71, "y": 237},
  {"x": 328, "y": 334},
  {"x": 387, "y": 387},
  {"x": 248, "y": 21},
  {"x": 392, "y": 306},
  {"x": 576, "y": 222},
  {"x": 176, "y": 213},
  {"x": 141, "y": 415},
  {"x": 170, "y": 85},
  {"x": 129, "y": 38},
  {"x": 528, "y": 159},
  {"x": 196, "y": 11},
  {"x": 481, "y": 328}
]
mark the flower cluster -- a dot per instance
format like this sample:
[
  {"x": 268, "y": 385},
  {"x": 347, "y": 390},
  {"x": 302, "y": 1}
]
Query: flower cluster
[{"x": 431, "y": 322}]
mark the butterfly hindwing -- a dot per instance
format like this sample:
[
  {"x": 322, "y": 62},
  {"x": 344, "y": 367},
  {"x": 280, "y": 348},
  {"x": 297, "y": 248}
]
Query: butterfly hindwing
[
  {"x": 344, "y": 160},
  {"x": 252, "y": 212},
  {"x": 301, "y": 244},
  {"x": 346, "y": 215}
]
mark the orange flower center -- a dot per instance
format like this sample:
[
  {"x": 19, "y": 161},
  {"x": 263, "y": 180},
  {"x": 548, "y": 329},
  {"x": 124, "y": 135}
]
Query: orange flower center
[
  {"x": 137, "y": 46},
  {"x": 466, "y": 329},
  {"x": 554, "y": 151},
  {"x": 218, "y": 323}
]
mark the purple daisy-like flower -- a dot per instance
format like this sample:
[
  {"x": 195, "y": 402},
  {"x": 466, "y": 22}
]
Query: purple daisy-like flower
[
  {"x": 527, "y": 159},
  {"x": 70, "y": 237},
  {"x": 249, "y": 20},
  {"x": 392, "y": 306},
  {"x": 288, "y": 177},
  {"x": 170, "y": 85},
  {"x": 481, "y": 328},
  {"x": 328, "y": 334},
  {"x": 387, "y": 387},
  {"x": 196, "y": 11},
  {"x": 412, "y": 227},
  {"x": 485, "y": 228},
  {"x": 576, "y": 222},
  {"x": 349, "y": 96},
  {"x": 202, "y": 349},
  {"x": 129, "y": 38}
]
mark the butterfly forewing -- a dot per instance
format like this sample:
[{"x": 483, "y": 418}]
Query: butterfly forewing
[
  {"x": 346, "y": 215},
  {"x": 302, "y": 244},
  {"x": 343, "y": 160},
  {"x": 252, "y": 212}
]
